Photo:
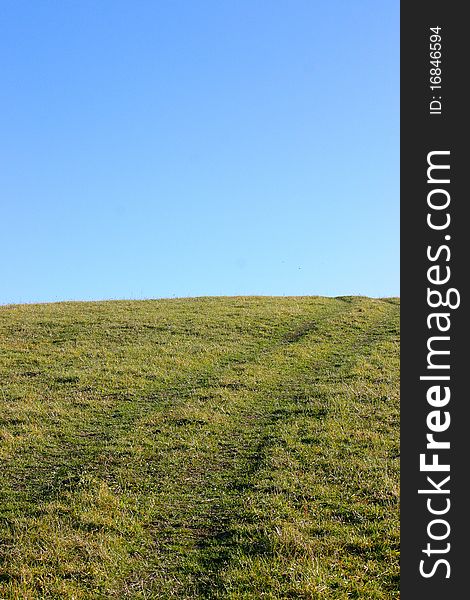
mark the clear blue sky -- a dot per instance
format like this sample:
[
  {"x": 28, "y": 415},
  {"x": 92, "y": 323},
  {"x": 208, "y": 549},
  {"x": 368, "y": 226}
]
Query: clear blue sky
[{"x": 212, "y": 147}]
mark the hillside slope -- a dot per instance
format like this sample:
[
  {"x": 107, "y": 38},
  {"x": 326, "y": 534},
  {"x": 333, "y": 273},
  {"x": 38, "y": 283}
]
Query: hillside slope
[{"x": 200, "y": 448}]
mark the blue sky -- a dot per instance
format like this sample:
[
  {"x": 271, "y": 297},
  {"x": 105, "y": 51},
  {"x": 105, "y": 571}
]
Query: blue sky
[{"x": 181, "y": 148}]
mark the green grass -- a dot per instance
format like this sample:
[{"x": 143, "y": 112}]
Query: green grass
[{"x": 240, "y": 448}]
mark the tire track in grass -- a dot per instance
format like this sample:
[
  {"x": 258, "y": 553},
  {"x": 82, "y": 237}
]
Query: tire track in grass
[
  {"x": 59, "y": 473},
  {"x": 201, "y": 483},
  {"x": 263, "y": 541},
  {"x": 243, "y": 441},
  {"x": 182, "y": 464},
  {"x": 257, "y": 543}
]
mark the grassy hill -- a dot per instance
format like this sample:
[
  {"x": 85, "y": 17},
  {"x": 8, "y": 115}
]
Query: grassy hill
[{"x": 200, "y": 448}]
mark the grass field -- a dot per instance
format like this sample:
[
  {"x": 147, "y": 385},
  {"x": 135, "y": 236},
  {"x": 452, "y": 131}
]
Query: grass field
[{"x": 200, "y": 448}]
